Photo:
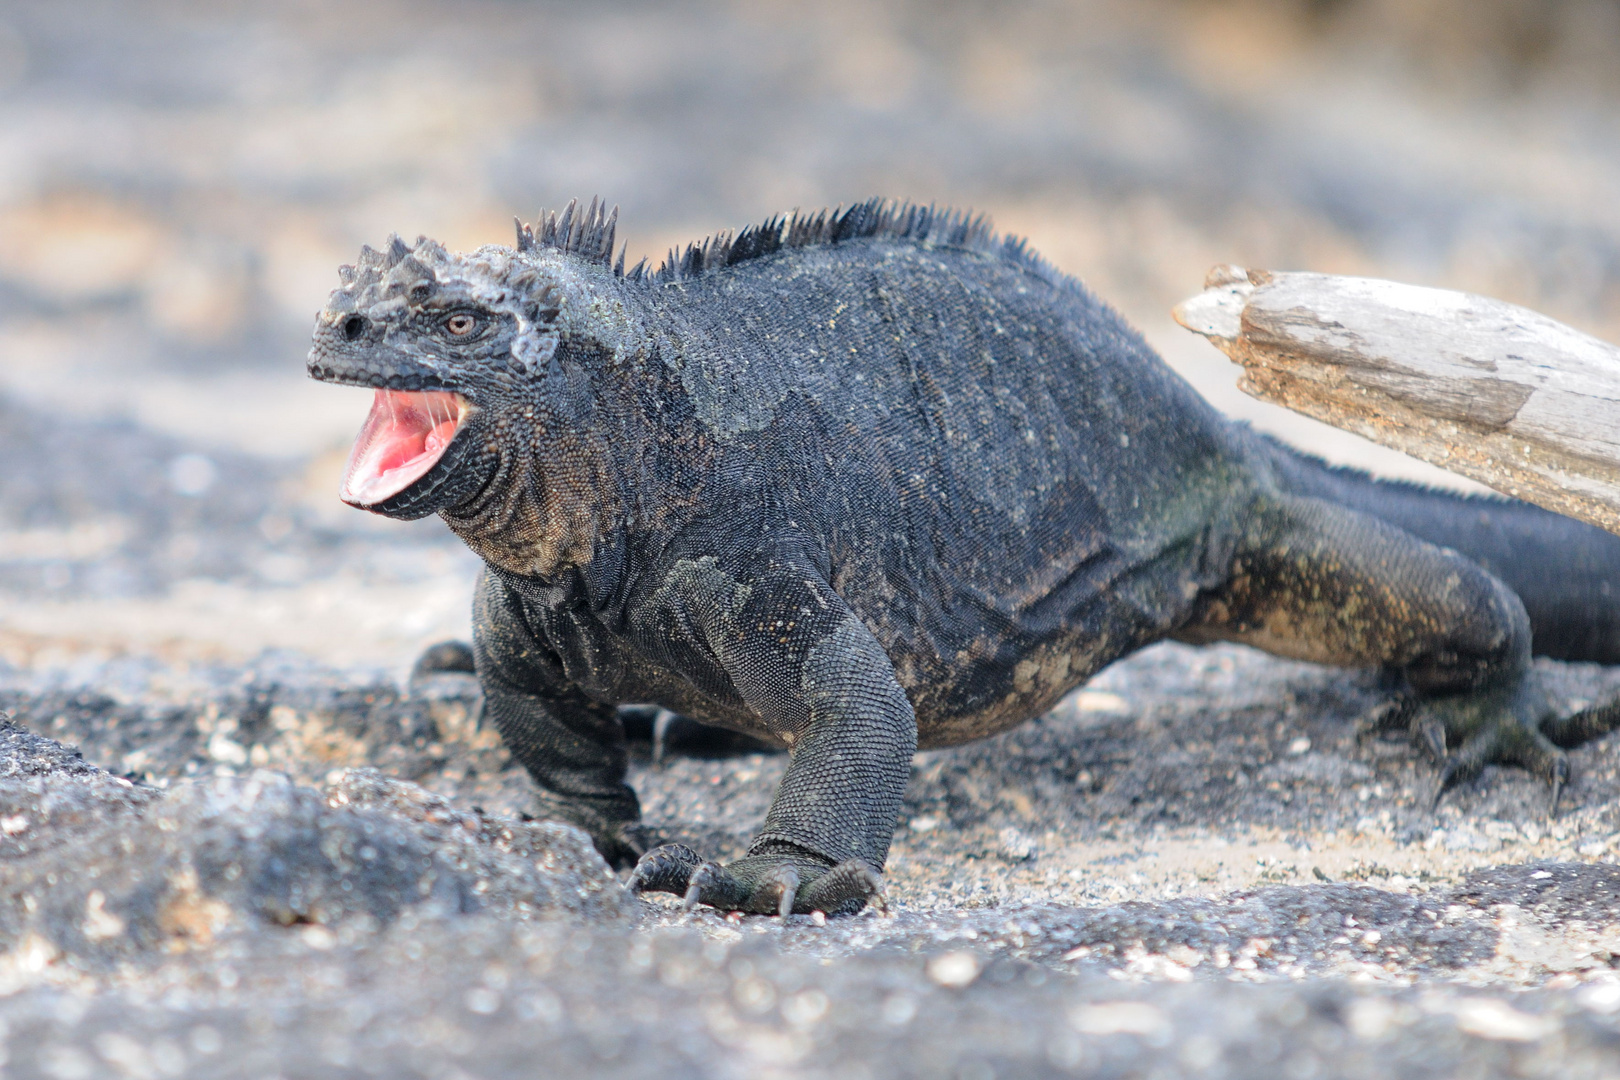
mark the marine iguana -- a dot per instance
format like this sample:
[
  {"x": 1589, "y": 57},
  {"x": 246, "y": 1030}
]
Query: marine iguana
[{"x": 868, "y": 480}]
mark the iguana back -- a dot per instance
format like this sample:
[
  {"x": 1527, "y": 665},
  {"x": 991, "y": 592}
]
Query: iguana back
[{"x": 990, "y": 462}]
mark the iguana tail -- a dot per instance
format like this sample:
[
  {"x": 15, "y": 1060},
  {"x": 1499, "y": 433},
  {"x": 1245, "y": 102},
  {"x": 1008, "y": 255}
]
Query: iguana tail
[{"x": 1566, "y": 572}]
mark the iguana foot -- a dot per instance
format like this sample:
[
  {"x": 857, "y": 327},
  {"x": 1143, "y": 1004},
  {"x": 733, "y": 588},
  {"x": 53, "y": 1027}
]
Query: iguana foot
[
  {"x": 1506, "y": 727},
  {"x": 775, "y": 883}
]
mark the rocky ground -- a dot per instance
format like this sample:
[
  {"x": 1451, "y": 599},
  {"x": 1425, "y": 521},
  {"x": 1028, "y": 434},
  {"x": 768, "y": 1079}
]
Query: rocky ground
[
  {"x": 236, "y": 839},
  {"x": 1193, "y": 867}
]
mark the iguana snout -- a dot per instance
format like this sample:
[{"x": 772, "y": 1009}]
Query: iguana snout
[{"x": 440, "y": 340}]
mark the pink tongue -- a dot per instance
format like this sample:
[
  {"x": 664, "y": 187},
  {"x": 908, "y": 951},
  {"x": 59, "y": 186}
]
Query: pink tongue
[{"x": 404, "y": 436}]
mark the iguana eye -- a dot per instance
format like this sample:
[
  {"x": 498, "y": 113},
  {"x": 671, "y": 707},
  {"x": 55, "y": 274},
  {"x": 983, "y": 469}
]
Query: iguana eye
[{"x": 461, "y": 324}]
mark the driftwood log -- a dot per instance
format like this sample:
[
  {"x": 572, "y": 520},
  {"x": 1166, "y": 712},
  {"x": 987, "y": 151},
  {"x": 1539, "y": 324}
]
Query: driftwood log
[{"x": 1495, "y": 392}]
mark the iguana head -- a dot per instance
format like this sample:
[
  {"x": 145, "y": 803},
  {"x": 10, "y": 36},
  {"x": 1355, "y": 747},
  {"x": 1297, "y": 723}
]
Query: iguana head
[{"x": 458, "y": 349}]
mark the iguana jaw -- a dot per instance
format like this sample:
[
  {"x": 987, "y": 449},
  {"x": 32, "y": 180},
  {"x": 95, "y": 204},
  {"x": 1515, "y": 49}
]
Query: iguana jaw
[{"x": 404, "y": 437}]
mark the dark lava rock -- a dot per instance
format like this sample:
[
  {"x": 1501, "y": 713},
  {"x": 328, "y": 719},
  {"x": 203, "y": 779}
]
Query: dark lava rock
[
  {"x": 1586, "y": 891},
  {"x": 23, "y": 753},
  {"x": 289, "y": 714},
  {"x": 99, "y": 869}
]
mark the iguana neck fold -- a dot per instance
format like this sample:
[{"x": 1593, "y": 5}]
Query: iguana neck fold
[
  {"x": 537, "y": 520},
  {"x": 567, "y": 451}
]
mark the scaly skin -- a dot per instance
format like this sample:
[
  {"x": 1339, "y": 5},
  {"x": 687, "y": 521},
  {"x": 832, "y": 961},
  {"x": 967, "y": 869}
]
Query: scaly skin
[{"x": 860, "y": 483}]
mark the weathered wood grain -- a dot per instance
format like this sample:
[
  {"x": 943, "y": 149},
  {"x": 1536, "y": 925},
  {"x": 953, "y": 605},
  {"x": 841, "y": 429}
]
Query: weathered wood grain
[{"x": 1487, "y": 389}]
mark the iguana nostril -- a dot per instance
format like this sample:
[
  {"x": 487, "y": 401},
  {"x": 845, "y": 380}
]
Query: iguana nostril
[{"x": 353, "y": 327}]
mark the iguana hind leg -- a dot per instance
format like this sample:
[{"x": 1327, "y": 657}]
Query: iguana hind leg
[{"x": 1314, "y": 581}]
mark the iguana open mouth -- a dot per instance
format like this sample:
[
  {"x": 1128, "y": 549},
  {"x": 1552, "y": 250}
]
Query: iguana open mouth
[{"x": 403, "y": 438}]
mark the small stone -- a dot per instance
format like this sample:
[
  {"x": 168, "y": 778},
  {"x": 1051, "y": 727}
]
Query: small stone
[
  {"x": 1100, "y": 701},
  {"x": 482, "y": 1000},
  {"x": 1118, "y": 1018},
  {"x": 318, "y": 937},
  {"x": 1492, "y": 1019},
  {"x": 1369, "y": 1018},
  {"x": 1602, "y": 997},
  {"x": 898, "y": 1009},
  {"x": 955, "y": 970},
  {"x": 99, "y": 923},
  {"x": 805, "y": 1008},
  {"x": 1015, "y": 846}
]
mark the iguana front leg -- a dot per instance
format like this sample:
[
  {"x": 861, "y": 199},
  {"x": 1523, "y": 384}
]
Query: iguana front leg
[
  {"x": 818, "y": 679},
  {"x": 573, "y": 747}
]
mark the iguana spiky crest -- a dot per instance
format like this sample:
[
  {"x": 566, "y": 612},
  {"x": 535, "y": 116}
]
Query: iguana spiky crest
[
  {"x": 591, "y": 234},
  {"x": 587, "y": 235}
]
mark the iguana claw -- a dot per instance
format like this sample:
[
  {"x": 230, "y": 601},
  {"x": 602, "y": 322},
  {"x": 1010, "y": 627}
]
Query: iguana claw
[
  {"x": 785, "y": 880},
  {"x": 772, "y": 884},
  {"x": 854, "y": 879},
  {"x": 1505, "y": 730},
  {"x": 711, "y": 884},
  {"x": 665, "y": 869}
]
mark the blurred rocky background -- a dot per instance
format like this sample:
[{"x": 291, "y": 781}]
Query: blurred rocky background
[
  {"x": 179, "y": 182},
  {"x": 278, "y": 856}
]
